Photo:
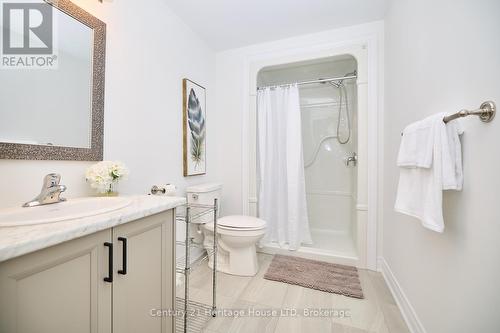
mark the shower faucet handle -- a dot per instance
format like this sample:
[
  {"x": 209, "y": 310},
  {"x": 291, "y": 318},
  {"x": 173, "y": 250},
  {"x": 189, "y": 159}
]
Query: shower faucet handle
[{"x": 353, "y": 158}]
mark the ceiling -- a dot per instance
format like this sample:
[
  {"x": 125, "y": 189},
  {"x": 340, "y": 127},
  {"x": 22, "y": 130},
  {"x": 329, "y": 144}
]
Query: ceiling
[{"x": 226, "y": 24}]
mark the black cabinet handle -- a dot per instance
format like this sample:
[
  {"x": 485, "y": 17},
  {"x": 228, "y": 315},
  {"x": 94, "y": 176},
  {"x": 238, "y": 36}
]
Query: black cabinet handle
[
  {"x": 109, "y": 278},
  {"x": 123, "y": 271}
]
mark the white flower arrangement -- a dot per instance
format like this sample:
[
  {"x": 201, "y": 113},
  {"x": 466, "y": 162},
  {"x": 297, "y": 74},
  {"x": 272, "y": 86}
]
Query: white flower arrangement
[{"x": 104, "y": 175}]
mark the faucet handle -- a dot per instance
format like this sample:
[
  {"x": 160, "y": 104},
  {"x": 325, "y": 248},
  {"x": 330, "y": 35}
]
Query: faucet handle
[
  {"x": 50, "y": 193},
  {"x": 52, "y": 179},
  {"x": 353, "y": 158}
]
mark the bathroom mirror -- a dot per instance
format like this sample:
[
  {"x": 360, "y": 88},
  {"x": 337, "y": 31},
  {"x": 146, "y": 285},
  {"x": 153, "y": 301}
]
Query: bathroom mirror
[{"x": 51, "y": 82}]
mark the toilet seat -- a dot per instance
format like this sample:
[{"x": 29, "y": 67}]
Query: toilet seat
[{"x": 238, "y": 223}]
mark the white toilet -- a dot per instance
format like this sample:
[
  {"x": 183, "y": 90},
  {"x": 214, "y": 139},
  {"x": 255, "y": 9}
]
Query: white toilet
[{"x": 236, "y": 234}]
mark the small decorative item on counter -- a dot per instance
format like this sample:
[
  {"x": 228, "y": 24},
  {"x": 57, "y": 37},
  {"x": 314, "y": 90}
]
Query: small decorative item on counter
[
  {"x": 164, "y": 189},
  {"x": 104, "y": 177}
]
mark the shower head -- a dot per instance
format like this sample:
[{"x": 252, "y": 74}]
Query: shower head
[
  {"x": 337, "y": 84},
  {"x": 340, "y": 83},
  {"x": 325, "y": 81}
]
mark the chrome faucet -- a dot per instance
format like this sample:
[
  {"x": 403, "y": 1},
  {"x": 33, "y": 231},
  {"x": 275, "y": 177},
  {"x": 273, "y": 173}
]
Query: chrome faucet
[
  {"x": 353, "y": 158},
  {"x": 51, "y": 191}
]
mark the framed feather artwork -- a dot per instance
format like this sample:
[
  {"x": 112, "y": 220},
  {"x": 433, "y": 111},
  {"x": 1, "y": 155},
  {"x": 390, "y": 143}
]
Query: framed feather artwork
[{"x": 194, "y": 128}]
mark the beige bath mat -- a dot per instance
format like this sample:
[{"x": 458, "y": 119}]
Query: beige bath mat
[{"x": 319, "y": 275}]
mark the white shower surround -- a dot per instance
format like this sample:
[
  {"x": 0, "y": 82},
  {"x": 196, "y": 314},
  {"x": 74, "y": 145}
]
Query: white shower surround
[{"x": 365, "y": 51}]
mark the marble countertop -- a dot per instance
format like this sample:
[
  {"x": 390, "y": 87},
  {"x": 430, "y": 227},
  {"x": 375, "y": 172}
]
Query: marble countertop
[{"x": 16, "y": 241}]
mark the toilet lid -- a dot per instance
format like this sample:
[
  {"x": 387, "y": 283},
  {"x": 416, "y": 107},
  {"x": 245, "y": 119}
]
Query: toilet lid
[{"x": 241, "y": 222}]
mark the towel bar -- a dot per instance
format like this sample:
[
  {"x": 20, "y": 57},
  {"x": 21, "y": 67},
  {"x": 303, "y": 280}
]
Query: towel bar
[{"x": 486, "y": 113}]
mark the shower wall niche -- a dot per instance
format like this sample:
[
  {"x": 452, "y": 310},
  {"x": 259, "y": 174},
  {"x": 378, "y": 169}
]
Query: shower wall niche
[{"x": 331, "y": 185}]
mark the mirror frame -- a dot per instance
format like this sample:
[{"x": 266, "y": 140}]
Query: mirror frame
[{"x": 95, "y": 152}]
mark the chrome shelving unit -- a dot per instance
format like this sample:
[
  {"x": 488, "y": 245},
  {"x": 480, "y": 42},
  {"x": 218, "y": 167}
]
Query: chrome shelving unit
[{"x": 184, "y": 265}]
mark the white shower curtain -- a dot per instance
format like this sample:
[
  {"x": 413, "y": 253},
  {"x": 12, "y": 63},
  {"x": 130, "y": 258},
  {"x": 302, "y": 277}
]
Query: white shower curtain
[{"x": 282, "y": 191}]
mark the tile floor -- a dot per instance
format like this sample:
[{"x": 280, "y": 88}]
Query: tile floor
[{"x": 377, "y": 313}]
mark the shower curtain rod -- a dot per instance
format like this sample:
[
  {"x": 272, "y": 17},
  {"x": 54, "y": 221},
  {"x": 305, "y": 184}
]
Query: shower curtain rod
[{"x": 340, "y": 78}]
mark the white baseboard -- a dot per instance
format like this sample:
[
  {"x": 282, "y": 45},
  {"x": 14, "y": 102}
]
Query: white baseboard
[{"x": 407, "y": 310}]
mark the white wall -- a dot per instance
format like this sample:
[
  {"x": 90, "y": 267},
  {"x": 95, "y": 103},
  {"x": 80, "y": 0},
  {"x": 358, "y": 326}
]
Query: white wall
[
  {"x": 149, "y": 51},
  {"x": 445, "y": 56}
]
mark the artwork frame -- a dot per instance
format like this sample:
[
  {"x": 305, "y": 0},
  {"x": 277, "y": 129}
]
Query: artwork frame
[{"x": 194, "y": 114}]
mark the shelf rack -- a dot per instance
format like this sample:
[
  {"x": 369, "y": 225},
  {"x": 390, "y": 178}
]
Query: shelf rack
[{"x": 184, "y": 265}]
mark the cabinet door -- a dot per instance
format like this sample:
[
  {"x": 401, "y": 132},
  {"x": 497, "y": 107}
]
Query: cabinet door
[
  {"x": 148, "y": 283},
  {"x": 58, "y": 289}
]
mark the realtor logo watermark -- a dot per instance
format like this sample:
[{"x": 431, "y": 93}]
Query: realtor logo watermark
[{"x": 28, "y": 38}]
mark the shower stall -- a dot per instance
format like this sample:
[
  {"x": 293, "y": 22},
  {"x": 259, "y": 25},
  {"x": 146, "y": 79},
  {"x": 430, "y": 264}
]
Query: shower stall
[{"x": 329, "y": 124}]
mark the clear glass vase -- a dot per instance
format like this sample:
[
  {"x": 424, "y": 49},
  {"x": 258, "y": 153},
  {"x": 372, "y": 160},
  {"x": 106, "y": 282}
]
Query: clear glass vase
[{"x": 111, "y": 192}]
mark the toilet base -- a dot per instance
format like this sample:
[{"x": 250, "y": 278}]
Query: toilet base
[
  {"x": 236, "y": 255},
  {"x": 244, "y": 263}
]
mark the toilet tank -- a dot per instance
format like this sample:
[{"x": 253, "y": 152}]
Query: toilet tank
[{"x": 204, "y": 194}]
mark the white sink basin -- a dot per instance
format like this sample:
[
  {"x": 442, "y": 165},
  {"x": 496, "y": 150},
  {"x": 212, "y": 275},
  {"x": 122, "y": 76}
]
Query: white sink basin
[{"x": 62, "y": 211}]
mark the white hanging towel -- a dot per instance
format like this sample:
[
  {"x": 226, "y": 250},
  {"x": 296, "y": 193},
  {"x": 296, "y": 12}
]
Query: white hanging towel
[
  {"x": 430, "y": 161},
  {"x": 415, "y": 150}
]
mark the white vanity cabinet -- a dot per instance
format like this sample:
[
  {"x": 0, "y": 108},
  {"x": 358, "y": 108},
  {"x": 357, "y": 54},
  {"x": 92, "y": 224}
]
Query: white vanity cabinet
[
  {"x": 74, "y": 287},
  {"x": 149, "y": 280},
  {"x": 58, "y": 289}
]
